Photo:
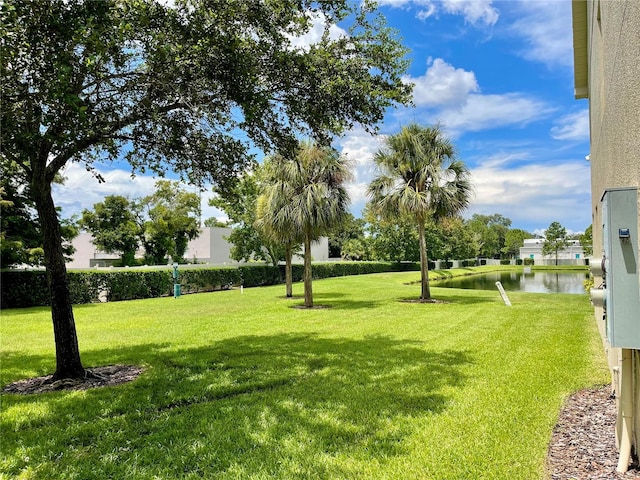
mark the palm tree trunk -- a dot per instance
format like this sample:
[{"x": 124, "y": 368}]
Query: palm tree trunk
[
  {"x": 424, "y": 263},
  {"x": 68, "y": 364},
  {"x": 308, "y": 291},
  {"x": 288, "y": 276}
]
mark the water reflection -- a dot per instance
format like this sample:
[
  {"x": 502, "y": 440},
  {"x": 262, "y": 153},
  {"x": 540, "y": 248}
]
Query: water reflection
[{"x": 534, "y": 282}]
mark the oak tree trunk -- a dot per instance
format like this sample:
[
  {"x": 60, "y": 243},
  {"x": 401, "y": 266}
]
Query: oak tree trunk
[{"x": 68, "y": 364}]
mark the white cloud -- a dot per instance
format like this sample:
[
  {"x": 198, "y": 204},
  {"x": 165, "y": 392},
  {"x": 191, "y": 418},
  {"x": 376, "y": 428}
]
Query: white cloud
[
  {"x": 484, "y": 112},
  {"x": 314, "y": 35},
  {"x": 475, "y": 12},
  {"x": 545, "y": 27},
  {"x": 451, "y": 97},
  {"x": 533, "y": 192},
  {"x": 360, "y": 147},
  {"x": 443, "y": 85},
  {"x": 574, "y": 126},
  {"x": 403, "y": 3},
  {"x": 81, "y": 190},
  {"x": 429, "y": 11},
  {"x": 512, "y": 184}
]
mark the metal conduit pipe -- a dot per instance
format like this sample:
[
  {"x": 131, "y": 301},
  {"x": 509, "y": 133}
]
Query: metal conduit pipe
[{"x": 625, "y": 416}]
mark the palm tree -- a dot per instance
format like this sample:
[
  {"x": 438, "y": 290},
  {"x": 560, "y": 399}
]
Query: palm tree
[
  {"x": 277, "y": 228},
  {"x": 419, "y": 176},
  {"x": 305, "y": 197}
]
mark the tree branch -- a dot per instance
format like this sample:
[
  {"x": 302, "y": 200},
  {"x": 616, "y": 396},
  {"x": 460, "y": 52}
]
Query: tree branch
[{"x": 108, "y": 131}]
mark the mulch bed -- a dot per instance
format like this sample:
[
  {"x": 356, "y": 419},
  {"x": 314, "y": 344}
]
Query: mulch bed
[
  {"x": 95, "y": 377},
  {"x": 583, "y": 445}
]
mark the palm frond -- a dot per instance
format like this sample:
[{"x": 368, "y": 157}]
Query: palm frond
[
  {"x": 305, "y": 194},
  {"x": 418, "y": 174}
]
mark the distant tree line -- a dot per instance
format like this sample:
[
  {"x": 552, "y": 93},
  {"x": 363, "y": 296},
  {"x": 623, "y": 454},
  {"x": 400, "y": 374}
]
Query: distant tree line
[
  {"x": 161, "y": 224},
  {"x": 372, "y": 238}
]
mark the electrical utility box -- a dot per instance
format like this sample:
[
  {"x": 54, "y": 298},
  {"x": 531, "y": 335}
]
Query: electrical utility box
[{"x": 620, "y": 267}]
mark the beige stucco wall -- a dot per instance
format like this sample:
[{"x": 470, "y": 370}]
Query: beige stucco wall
[
  {"x": 211, "y": 246},
  {"x": 614, "y": 100},
  {"x": 614, "y": 103}
]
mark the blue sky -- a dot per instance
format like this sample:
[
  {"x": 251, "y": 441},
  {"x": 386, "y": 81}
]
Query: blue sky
[{"x": 498, "y": 77}]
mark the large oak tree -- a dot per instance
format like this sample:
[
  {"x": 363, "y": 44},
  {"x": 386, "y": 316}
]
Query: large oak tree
[{"x": 169, "y": 86}]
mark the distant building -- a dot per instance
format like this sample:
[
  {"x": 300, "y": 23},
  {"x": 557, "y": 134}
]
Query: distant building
[
  {"x": 533, "y": 249},
  {"x": 210, "y": 247}
]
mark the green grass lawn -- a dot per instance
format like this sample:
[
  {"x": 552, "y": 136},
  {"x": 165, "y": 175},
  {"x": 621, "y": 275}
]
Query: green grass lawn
[{"x": 244, "y": 386}]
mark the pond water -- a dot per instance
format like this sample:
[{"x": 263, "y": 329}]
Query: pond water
[{"x": 534, "y": 282}]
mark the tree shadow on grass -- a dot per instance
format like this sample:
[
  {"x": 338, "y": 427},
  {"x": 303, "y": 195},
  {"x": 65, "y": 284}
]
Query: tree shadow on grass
[
  {"x": 264, "y": 406},
  {"x": 334, "y": 300},
  {"x": 330, "y": 295},
  {"x": 343, "y": 304},
  {"x": 448, "y": 296},
  {"x": 466, "y": 299}
]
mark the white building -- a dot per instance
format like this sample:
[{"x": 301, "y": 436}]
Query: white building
[
  {"x": 211, "y": 247},
  {"x": 532, "y": 249}
]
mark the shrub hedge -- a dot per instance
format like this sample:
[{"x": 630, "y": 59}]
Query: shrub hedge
[
  {"x": 24, "y": 289},
  {"x": 29, "y": 288}
]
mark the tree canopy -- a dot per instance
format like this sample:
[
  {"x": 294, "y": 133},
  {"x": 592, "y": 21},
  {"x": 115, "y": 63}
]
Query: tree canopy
[
  {"x": 490, "y": 232},
  {"x": 240, "y": 204},
  {"x": 350, "y": 228},
  {"x": 114, "y": 227},
  {"x": 555, "y": 239},
  {"x": 21, "y": 241},
  {"x": 456, "y": 240},
  {"x": 171, "y": 220},
  {"x": 198, "y": 70},
  {"x": 513, "y": 240},
  {"x": 391, "y": 240},
  {"x": 586, "y": 240}
]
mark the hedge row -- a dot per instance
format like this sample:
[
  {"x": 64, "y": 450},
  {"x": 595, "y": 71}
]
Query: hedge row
[{"x": 29, "y": 288}]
